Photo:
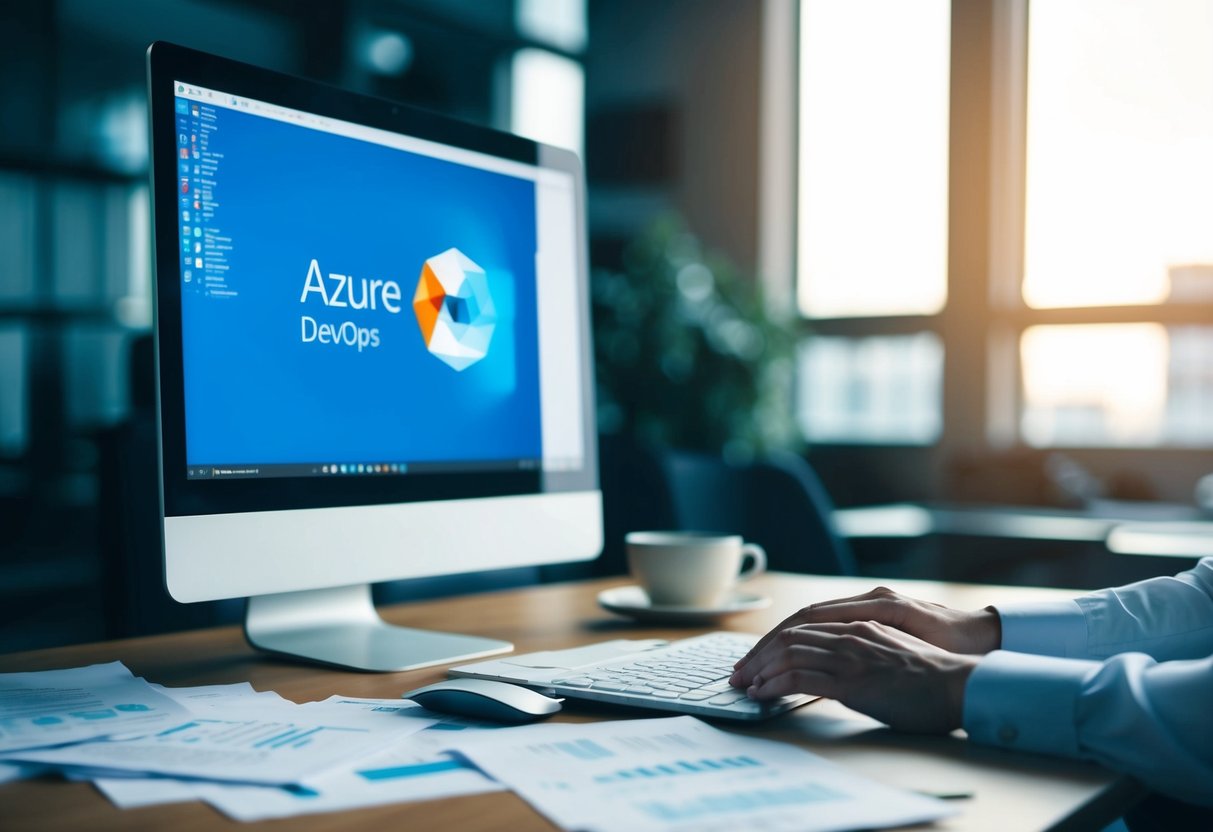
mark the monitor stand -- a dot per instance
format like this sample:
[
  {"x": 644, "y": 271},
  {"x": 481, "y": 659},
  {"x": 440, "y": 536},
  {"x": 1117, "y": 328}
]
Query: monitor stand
[{"x": 340, "y": 627}]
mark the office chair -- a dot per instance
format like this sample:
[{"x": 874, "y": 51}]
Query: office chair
[{"x": 777, "y": 502}]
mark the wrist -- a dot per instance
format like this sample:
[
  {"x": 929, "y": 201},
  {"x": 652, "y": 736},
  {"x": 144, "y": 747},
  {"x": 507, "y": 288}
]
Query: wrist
[
  {"x": 985, "y": 631},
  {"x": 957, "y": 683}
]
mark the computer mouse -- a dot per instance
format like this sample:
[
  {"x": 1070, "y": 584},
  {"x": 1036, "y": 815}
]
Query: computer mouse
[{"x": 485, "y": 699}]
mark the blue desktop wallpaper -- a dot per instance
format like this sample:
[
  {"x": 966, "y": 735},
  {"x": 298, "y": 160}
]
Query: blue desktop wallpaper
[{"x": 285, "y": 195}]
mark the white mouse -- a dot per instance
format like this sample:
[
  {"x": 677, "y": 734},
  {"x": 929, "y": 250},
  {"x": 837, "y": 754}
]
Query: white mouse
[{"x": 485, "y": 699}]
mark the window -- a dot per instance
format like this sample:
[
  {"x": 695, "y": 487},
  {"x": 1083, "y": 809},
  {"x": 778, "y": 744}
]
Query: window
[
  {"x": 872, "y": 215},
  {"x": 1080, "y": 149},
  {"x": 1118, "y": 172},
  {"x": 548, "y": 98}
]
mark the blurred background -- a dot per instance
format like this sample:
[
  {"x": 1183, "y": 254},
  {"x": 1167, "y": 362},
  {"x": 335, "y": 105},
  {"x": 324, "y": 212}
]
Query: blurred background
[{"x": 955, "y": 255}]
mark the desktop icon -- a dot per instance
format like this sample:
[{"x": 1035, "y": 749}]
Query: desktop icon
[
  {"x": 455, "y": 309},
  {"x": 185, "y": 154},
  {"x": 197, "y": 262},
  {"x": 182, "y": 106},
  {"x": 185, "y": 186}
]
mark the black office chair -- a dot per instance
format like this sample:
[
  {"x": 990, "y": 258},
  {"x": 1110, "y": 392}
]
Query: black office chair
[{"x": 777, "y": 502}]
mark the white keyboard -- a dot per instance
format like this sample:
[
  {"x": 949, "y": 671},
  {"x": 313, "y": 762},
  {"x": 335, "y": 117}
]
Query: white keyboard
[{"x": 689, "y": 676}]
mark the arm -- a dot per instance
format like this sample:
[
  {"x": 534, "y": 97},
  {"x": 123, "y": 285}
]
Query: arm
[
  {"x": 1129, "y": 713},
  {"x": 1166, "y": 618}
]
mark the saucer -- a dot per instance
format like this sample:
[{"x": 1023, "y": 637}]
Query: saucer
[{"x": 633, "y": 602}]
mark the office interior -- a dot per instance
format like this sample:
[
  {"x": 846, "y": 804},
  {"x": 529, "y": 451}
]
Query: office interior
[{"x": 927, "y": 300}]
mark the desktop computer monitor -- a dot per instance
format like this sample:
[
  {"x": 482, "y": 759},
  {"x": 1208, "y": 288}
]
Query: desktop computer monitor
[{"x": 373, "y": 348}]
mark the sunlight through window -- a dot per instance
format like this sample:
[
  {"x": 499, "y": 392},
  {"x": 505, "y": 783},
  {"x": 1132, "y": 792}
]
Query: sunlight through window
[
  {"x": 873, "y": 213},
  {"x": 1119, "y": 167}
]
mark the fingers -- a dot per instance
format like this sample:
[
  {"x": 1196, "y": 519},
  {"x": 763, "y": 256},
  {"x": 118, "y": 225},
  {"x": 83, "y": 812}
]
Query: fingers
[
  {"x": 808, "y": 646},
  {"x": 812, "y": 682},
  {"x": 830, "y": 647},
  {"x": 810, "y": 614}
]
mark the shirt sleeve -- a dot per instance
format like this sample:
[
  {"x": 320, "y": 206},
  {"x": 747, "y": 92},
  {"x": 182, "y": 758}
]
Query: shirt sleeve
[
  {"x": 1165, "y": 618},
  {"x": 1128, "y": 712}
]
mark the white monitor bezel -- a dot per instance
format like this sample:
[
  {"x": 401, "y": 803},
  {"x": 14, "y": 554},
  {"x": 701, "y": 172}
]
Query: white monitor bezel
[{"x": 244, "y": 538}]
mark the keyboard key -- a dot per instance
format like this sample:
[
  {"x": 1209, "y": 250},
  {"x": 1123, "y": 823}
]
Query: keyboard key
[
  {"x": 696, "y": 695},
  {"x": 666, "y": 694},
  {"x": 728, "y": 698},
  {"x": 579, "y": 682}
]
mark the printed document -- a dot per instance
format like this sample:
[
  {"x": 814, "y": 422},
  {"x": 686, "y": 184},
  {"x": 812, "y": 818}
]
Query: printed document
[
  {"x": 680, "y": 774},
  {"x": 53, "y": 707},
  {"x": 416, "y": 769},
  {"x": 267, "y": 743}
]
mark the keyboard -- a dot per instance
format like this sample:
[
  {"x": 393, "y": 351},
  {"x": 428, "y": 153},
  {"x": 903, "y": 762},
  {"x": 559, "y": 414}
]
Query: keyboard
[{"x": 689, "y": 676}]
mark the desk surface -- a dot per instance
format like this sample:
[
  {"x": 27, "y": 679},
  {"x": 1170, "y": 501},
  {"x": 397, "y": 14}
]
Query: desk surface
[{"x": 1010, "y": 791}]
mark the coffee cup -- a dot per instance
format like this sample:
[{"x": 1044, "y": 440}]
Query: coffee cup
[{"x": 691, "y": 569}]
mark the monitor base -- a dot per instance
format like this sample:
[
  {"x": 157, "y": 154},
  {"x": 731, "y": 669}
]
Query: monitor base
[{"x": 340, "y": 627}]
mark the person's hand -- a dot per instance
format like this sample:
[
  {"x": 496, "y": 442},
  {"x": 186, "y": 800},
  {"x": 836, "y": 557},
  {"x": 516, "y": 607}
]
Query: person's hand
[
  {"x": 979, "y": 631},
  {"x": 873, "y": 668}
]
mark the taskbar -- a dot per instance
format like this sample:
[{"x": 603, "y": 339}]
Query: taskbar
[{"x": 354, "y": 469}]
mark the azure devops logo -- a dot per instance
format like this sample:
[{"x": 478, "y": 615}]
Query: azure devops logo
[{"x": 455, "y": 309}]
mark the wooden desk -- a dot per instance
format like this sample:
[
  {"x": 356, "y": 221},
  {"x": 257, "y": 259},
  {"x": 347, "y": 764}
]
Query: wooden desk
[{"x": 1010, "y": 791}]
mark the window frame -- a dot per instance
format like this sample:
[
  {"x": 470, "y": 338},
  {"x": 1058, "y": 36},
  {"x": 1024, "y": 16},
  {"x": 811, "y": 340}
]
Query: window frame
[{"x": 985, "y": 314}]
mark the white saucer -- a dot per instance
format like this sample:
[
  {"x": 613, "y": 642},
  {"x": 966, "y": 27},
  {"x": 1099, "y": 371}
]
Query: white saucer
[{"x": 633, "y": 602}]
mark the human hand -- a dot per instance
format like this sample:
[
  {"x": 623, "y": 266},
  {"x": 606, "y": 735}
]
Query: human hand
[
  {"x": 873, "y": 668},
  {"x": 979, "y": 631}
]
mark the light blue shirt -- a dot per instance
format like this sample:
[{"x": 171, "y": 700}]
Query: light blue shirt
[{"x": 1121, "y": 676}]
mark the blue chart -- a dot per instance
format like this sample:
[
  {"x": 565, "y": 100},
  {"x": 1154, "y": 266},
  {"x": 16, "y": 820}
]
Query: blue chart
[
  {"x": 583, "y": 750},
  {"x": 679, "y": 768},
  {"x": 750, "y": 801},
  {"x": 413, "y": 770}
]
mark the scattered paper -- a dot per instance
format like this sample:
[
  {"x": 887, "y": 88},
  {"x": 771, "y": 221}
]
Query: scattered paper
[
  {"x": 277, "y": 746},
  {"x": 682, "y": 774},
  {"x": 17, "y": 771},
  {"x": 417, "y": 769},
  {"x": 412, "y": 772},
  {"x": 137, "y": 792},
  {"x": 53, "y": 707}
]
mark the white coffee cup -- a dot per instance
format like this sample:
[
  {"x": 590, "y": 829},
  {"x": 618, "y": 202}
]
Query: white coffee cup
[{"x": 691, "y": 569}]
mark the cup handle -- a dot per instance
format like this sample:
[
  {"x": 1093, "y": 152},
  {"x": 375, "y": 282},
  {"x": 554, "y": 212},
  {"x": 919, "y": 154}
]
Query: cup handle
[{"x": 760, "y": 561}]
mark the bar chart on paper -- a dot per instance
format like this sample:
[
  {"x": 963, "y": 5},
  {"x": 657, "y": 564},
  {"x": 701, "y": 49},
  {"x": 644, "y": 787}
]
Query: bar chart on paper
[
  {"x": 736, "y": 803},
  {"x": 681, "y": 775},
  {"x": 680, "y": 768}
]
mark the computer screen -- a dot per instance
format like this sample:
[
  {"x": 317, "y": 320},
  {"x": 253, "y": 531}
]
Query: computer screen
[{"x": 373, "y": 338}]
